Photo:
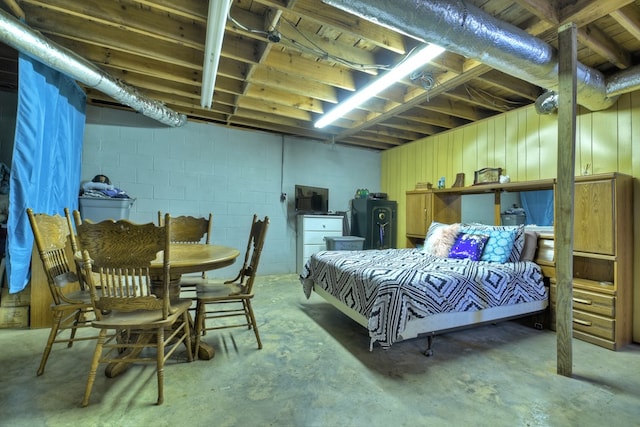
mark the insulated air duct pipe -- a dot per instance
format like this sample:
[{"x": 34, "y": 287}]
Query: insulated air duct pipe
[
  {"x": 468, "y": 31},
  {"x": 21, "y": 37}
]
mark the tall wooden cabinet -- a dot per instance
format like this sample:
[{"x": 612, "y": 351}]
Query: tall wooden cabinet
[
  {"x": 602, "y": 260},
  {"x": 419, "y": 214}
]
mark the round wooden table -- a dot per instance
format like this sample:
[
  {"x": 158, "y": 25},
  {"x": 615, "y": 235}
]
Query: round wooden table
[{"x": 190, "y": 258}]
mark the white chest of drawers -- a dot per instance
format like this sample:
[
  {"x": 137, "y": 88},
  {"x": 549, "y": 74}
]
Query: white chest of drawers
[{"x": 311, "y": 230}]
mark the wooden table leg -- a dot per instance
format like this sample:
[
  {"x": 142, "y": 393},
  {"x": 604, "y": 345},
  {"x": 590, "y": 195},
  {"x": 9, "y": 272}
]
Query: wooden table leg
[{"x": 206, "y": 352}]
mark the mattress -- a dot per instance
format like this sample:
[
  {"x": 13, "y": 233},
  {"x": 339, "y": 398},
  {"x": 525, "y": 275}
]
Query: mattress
[{"x": 396, "y": 289}]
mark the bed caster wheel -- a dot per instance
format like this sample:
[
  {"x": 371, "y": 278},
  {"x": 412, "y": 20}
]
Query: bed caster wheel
[{"x": 428, "y": 353}]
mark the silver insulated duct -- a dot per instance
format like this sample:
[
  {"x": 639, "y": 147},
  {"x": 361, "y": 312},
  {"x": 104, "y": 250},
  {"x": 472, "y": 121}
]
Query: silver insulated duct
[
  {"x": 624, "y": 81},
  {"x": 21, "y": 37},
  {"x": 468, "y": 31}
]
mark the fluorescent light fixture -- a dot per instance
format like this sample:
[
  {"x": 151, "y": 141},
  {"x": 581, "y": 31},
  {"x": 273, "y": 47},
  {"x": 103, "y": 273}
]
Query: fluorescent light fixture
[
  {"x": 412, "y": 63},
  {"x": 216, "y": 21}
]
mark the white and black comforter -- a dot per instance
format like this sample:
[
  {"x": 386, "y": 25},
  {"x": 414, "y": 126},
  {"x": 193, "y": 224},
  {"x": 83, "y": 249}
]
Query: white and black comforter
[{"x": 390, "y": 287}]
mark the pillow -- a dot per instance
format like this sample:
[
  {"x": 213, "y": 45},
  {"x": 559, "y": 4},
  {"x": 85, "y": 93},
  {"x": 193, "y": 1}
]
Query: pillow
[
  {"x": 518, "y": 242},
  {"x": 440, "y": 238},
  {"x": 530, "y": 246},
  {"x": 499, "y": 245},
  {"x": 432, "y": 229},
  {"x": 468, "y": 246}
]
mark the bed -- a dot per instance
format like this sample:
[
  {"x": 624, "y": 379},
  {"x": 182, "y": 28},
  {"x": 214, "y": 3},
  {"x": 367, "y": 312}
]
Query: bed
[{"x": 400, "y": 294}]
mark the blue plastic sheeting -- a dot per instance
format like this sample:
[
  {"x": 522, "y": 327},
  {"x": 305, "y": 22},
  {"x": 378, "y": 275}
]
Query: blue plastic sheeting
[
  {"x": 47, "y": 157},
  {"x": 538, "y": 206}
]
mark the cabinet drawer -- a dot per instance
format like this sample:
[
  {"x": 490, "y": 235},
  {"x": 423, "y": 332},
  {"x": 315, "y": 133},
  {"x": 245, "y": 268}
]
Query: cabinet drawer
[
  {"x": 592, "y": 324},
  {"x": 309, "y": 250},
  {"x": 333, "y": 224},
  {"x": 590, "y": 302},
  {"x": 317, "y": 237},
  {"x": 587, "y": 324}
]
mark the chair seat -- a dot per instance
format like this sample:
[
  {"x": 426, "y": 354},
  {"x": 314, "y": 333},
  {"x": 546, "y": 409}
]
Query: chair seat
[
  {"x": 77, "y": 298},
  {"x": 142, "y": 319},
  {"x": 219, "y": 290}
]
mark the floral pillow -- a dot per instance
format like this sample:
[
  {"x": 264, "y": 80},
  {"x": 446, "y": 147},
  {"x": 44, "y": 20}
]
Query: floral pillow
[
  {"x": 440, "y": 238},
  {"x": 468, "y": 246}
]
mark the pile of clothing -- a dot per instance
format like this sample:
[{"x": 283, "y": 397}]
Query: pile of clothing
[{"x": 100, "y": 187}]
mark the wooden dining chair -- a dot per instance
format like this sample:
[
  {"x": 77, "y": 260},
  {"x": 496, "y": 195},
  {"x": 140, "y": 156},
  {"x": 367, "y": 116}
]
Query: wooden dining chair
[
  {"x": 75, "y": 250},
  {"x": 71, "y": 306},
  {"x": 130, "y": 301},
  {"x": 190, "y": 230},
  {"x": 232, "y": 298}
]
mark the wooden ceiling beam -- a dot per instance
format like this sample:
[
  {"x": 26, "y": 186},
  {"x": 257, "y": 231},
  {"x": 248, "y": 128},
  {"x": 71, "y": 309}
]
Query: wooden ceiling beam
[
  {"x": 511, "y": 84},
  {"x": 330, "y": 51},
  {"x": 583, "y": 12},
  {"x": 408, "y": 125},
  {"x": 546, "y": 10},
  {"x": 389, "y": 131},
  {"x": 112, "y": 38},
  {"x": 273, "y": 108},
  {"x": 283, "y": 97},
  {"x": 138, "y": 21},
  {"x": 629, "y": 18},
  {"x": 366, "y": 143},
  {"x": 467, "y": 94},
  {"x": 128, "y": 61},
  {"x": 441, "y": 120},
  {"x": 310, "y": 69},
  {"x": 326, "y": 15},
  {"x": 592, "y": 37},
  {"x": 299, "y": 86}
]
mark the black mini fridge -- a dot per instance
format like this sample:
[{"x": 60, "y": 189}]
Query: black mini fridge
[{"x": 376, "y": 221}]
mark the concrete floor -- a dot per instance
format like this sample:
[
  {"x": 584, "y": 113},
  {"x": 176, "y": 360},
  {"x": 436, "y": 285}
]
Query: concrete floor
[{"x": 316, "y": 370}]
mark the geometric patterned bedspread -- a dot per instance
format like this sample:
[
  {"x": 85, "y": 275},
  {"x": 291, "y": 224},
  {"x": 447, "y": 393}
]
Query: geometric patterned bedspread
[{"x": 390, "y": 287}]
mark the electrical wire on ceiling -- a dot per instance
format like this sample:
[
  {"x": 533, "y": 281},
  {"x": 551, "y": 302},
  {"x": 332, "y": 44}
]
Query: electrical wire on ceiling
[
  {"x": 423, "y": 78},
  {"x": 274, "y": 36},
  {"x": 321, "y": 53},
  {"x": 486, "y": 97}
]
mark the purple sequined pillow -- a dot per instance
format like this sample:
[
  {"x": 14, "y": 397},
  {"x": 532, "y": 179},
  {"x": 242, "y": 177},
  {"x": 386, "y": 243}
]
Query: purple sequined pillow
[{"x": 468, "y": 246}]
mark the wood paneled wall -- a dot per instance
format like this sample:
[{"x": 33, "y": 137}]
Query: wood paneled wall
[{"x": 523, "y": 143}]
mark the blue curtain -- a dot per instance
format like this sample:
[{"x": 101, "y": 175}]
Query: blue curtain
[
  {"x": 538, "y": 206},
  {"x": 47, "y": 155}
]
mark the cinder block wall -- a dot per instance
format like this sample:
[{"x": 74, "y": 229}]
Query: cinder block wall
[{"x": 202, "y": 168}]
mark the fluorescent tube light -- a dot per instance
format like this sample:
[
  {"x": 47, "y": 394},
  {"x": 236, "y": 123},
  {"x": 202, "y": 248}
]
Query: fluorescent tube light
[
  {"x": 216, "y": 21},
  {"x": 412, "y": 63}
]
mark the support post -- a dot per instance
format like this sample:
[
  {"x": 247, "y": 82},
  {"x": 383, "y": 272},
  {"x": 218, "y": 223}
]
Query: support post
[{"x": 567, "y": 66}]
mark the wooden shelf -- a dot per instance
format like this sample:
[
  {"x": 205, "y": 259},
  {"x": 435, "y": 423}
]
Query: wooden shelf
[
  {"x": 541, "y": 184},
  {"x": 595, "y": 256},
  {"x": 591, "y": 285}
]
